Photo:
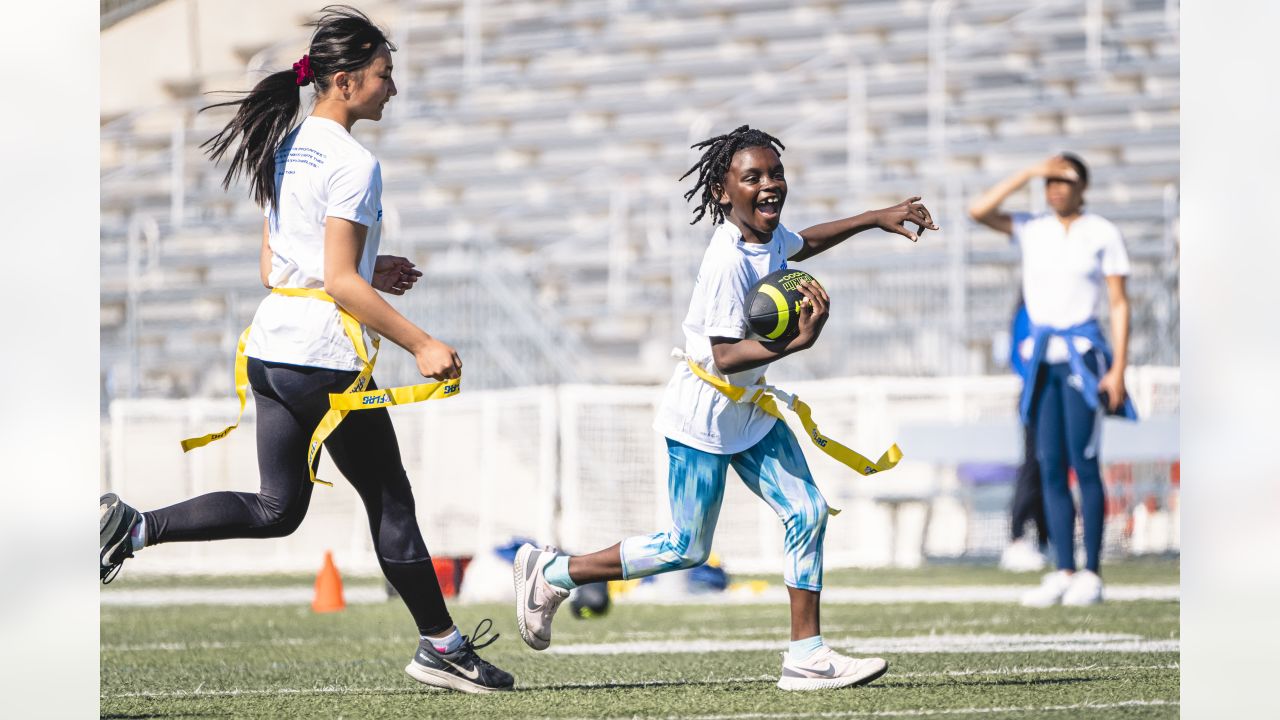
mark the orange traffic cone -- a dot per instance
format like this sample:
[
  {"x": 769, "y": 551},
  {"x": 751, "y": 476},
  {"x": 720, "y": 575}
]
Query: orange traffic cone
[{"x": 328, "y": 587}]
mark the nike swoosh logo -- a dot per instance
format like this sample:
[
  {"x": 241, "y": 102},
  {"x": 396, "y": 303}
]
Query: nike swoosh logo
[
  {"x": 530, "y": 568},
  {"x": 828, "y": 671},
  {"x": 472, "y": 674},
  {"x": 803, "y": 672},
  {"x": 532, "y": 564}
]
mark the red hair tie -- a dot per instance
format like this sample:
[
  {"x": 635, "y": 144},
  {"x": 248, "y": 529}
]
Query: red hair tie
[{"x": 302, "y": 69}]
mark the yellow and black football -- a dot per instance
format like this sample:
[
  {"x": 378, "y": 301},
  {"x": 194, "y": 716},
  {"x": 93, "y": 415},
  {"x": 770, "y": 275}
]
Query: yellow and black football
[{"x": 773, "y": 304}]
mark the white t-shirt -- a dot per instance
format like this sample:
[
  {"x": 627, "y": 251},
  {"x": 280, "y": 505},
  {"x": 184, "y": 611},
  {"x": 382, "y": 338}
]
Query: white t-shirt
[
  {"x": 1064, "y": 271},
  {"x": 321, "y": 171},
  {"x": 693, "y": 412}
]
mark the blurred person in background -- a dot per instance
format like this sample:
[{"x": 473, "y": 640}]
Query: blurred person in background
[
  {"x": 1025, "y": 552},
  {"x": 1069, "y": 255}
]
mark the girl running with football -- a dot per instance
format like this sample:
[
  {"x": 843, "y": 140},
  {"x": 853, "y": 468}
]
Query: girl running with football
[
  {"x": 741, "y": 179},
  {"x": 321, "y": 194}
]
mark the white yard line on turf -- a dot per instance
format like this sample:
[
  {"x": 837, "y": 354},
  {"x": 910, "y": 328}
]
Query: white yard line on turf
[
  {"x": 919, "y": 713},
  {"x": 940, "y": 625},
  {"x": 777, "y": 594},
  {"x": 909, "y": 644},
  {"x": 214, "y": 644},
  {"x": 1036, "y": 670},
  {"x": 738, "y": 633},
  {"x": 234, "y": 596},
  {"x": 940, "y": 643},
  {"x": 769, "y": 596},
  {"x": 201, "y": 693},
  {"x": 329, "y": 690}
]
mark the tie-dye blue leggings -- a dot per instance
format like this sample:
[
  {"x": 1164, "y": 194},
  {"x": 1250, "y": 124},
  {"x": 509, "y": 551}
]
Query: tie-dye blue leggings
[{"x": 774, "y": 469}]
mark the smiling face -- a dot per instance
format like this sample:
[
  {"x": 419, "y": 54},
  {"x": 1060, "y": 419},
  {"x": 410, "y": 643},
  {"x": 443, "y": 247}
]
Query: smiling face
[
  {"x": 372, "y": 88},
  {"x": 755, "y": 189}
]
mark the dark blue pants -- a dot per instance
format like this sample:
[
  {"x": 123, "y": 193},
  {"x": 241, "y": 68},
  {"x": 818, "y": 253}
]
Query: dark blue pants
[{"x": 1064, "y": 427}]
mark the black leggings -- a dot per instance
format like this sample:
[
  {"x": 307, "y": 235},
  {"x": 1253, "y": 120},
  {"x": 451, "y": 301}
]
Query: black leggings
[{"x": 290, "y": 401}]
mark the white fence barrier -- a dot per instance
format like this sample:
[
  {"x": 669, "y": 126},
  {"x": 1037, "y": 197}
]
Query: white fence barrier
[{"x": 580, "y": 466}]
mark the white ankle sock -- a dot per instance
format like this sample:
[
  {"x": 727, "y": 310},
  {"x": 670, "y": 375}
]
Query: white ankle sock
[{"x": 446, "y": 643}]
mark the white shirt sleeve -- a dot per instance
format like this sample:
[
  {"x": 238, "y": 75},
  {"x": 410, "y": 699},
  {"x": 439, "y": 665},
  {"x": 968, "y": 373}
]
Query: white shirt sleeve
[
  {"x": 791, "y": 242},
  {"x": 1115, "y": 259},
  {"x": 723, "y": 286},
  {"x": 352, "y": 194},
  {"x": 1019, "y": 220}
]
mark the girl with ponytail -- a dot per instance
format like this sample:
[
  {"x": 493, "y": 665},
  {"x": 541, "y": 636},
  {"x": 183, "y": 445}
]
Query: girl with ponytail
[{"x": 320, "y": 191}]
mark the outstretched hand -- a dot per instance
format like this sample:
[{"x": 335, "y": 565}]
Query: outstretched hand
[
  {"x": 394, "y": 274},
  {"x": 894, "y": 219}
]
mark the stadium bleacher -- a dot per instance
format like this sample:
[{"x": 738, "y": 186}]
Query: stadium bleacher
[{"x": 537, "y": 183}]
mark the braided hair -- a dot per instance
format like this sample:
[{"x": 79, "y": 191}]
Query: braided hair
[{"x": 717, "y": 154}]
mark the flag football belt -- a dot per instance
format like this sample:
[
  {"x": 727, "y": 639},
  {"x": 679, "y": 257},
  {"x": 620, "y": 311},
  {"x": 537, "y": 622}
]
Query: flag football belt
[
  {"x": 355, "y": 397},
  {"x": 762, "y": 396}
]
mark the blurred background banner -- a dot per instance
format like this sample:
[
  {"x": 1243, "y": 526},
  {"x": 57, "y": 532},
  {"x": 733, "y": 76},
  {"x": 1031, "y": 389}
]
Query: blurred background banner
[{"x": 530, "y": 164}]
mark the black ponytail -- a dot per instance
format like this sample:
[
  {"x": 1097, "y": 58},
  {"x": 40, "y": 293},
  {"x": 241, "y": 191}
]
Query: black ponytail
[{"x": 344, "y": 40}]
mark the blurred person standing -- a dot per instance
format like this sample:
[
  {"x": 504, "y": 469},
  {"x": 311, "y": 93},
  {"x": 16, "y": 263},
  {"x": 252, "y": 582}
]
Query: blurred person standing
[
  {"x": 1072, "y": 378},
  {"x": 1025, "y": 553}
]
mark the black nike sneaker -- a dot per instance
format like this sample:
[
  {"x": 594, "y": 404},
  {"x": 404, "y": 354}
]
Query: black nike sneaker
[
  {"x": 115, "y": 520},
  {"x": 461, "y": 669}
]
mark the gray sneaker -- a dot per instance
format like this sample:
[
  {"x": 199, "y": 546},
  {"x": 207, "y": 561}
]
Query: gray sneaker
[
  {"x": 462, "y": 669},
  {"x": 115, "y": 520},
  {"x": 536, "y": 599}
]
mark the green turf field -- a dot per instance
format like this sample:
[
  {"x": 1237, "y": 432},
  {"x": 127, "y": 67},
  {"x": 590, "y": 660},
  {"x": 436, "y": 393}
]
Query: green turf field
[{"x": 1119, "y": 660}]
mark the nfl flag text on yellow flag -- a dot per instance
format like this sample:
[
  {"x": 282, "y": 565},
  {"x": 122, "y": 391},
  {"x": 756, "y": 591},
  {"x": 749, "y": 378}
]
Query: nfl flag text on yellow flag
[
  {"x": 762, "y": 396},
  {"x": 356, "y": 397}
]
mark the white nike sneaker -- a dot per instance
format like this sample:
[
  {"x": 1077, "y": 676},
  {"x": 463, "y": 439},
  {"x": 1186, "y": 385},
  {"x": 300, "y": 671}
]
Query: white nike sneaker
[
  {"x": 1085, "y": 589},
  {"x": 1052, "y": 588},
  {"x": 1022, "y": 555},
  {"x": 536, "y": 599},
  {"x": 826, "y": 669}
]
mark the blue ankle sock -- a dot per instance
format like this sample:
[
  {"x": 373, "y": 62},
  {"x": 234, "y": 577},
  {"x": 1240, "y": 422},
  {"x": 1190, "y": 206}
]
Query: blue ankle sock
[
  {"x": 801, "y": 649},
  {"x": 557, "y": 573}
]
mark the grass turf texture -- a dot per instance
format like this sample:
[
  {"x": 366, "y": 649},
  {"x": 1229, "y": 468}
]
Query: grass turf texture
[
  {"x": 215, "y": 661},
  {"x": 1152, "y": 571}
]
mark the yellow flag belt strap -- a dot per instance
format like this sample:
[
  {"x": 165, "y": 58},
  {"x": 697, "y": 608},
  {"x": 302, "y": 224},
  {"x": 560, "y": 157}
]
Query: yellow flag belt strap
[
  {"x": 762, "y": 396},
  {"x": 355, "y": 397}
]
